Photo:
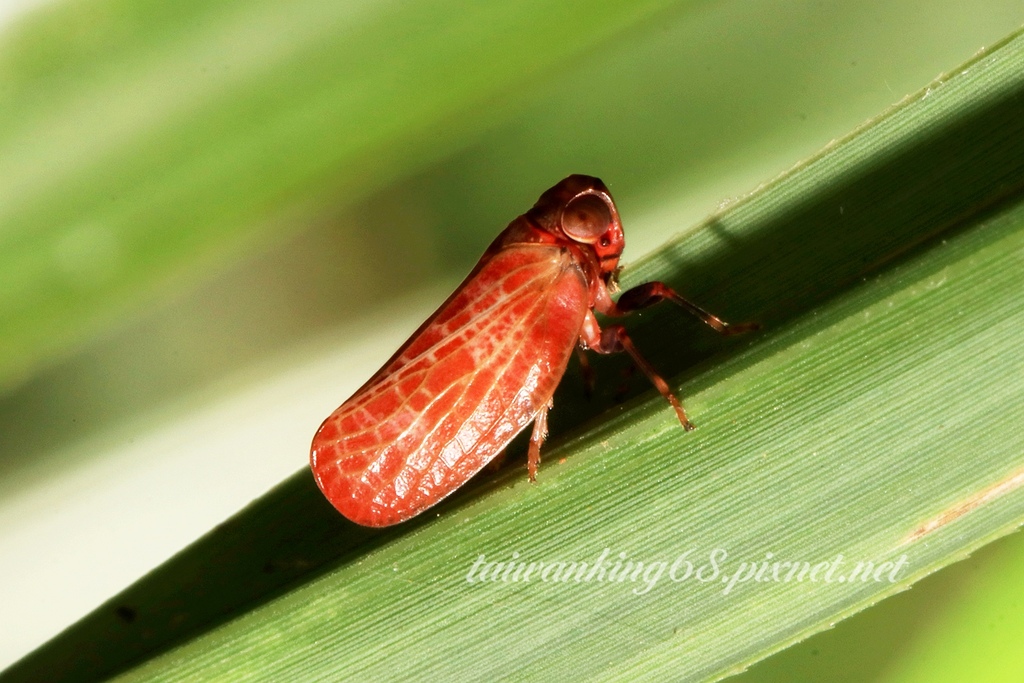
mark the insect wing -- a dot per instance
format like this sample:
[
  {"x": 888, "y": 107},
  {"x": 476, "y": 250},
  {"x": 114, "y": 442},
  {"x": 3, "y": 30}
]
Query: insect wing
[{"x": 450, "y": 400}]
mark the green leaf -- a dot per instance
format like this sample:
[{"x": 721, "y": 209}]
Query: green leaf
[
  {"x": 958, "y": 624},
  {"x": 875, "y": 419},
  {"x": 953, "y": 647}
]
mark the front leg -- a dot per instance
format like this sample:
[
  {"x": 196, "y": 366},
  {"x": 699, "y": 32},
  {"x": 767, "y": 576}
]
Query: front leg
[
  {"x": 651, "y": 293},
  {"x": 615, "y": 339}
]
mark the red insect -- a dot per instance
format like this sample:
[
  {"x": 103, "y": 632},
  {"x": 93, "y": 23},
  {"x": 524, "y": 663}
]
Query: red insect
[{"x": 487, "y": 362}]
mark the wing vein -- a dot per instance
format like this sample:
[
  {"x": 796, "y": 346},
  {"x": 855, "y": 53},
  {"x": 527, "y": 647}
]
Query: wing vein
[
  {"x": 400, "y": 376},
  {"x": 511, "y": 357}
]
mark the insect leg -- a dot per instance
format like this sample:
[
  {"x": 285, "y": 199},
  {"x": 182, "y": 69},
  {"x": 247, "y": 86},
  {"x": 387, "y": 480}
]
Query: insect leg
[
  {"x": 651, "y": 293},
  {"x": 540, "y": 432},
  {"x": 586, "y": 372},
  {"x": 615, "y": 339}
]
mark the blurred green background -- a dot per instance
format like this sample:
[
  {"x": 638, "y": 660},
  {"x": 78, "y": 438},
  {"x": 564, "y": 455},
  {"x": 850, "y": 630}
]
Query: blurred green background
[{"x": 196, "y": 198}]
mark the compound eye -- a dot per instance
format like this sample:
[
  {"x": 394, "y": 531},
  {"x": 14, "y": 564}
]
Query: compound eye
[{"x": 586, "y": 218}]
